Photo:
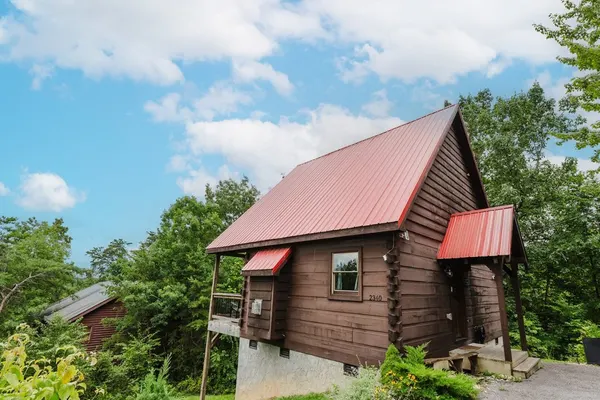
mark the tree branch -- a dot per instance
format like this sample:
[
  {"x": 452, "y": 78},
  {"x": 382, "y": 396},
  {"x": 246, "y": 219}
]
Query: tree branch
[{"x": 16, "y": 287}]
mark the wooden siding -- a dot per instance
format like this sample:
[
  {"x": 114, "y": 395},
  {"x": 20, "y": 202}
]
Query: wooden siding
[
  {"x": 344, "y": 331},
  {"x": 261, "y": 287},
  {"x": 99, "y": 331},
  {"x": 274, "y": 291},
  {"x": 425, "y": 289}
]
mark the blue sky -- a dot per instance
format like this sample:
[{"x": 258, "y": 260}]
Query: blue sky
[{"x": 110, "y": 110}]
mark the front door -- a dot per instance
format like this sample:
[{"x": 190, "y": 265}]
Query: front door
[{"x": 458, "y": 304}]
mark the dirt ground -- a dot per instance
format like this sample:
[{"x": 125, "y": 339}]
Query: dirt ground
[{"x": 554, "y": 381}]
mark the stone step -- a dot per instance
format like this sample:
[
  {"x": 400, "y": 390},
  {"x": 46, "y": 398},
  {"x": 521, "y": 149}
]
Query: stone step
[{"x": 527, "y": 368}]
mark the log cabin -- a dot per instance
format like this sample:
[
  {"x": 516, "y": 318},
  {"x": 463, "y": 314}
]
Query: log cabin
[
  {"x": 91, "y": 306},
  {"x": 390, "y": 240}
]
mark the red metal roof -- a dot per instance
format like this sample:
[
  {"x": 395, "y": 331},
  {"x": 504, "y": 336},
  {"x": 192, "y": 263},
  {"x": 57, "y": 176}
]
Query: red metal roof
[
  {"x": 479, "y": 233},
  {"x": 269, "y": 261},
  {"x": 368, "y": 183}
]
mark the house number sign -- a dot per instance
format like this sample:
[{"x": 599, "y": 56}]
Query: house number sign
[{"x": 375, "y": 297}]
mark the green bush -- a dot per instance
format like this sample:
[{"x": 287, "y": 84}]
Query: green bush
[
  {"x": 119, "y": 372},
  {"x": 363, "y": 387},
  {"x": 23, "y": 378},
  {"x": 408, "y": 378},
  {"x": 156, "y": 387}
]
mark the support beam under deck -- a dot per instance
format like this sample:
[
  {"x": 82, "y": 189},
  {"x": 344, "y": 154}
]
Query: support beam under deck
[{"x": 209, "y": 334}]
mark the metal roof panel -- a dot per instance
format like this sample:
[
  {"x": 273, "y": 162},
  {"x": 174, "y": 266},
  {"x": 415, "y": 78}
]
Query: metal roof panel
[
  {"x": 267, "y": 260},
  {"x": 368, "y": 183},
  {"x": 479, "y": 233}
]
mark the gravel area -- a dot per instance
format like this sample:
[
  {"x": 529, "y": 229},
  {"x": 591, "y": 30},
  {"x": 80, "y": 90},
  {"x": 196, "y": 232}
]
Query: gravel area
[{"x": 554, "y": 381}]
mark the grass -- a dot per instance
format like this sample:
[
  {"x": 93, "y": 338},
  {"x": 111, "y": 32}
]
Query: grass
[
  {"x": 209, "y": 397},
  {"x": 312, "y": 396}
]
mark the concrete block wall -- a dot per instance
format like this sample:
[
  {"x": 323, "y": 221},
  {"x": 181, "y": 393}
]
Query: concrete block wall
[{"x": 262, "y": 373}]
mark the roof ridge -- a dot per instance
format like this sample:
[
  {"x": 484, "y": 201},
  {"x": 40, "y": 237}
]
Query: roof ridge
[
  {"x": 480, "y": 210},
  {"x": 379, "y": 134}
]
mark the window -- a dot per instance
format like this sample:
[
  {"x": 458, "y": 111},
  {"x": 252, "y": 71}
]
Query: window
[
  {"x": 253, "y": 344},
  {"x": 346, "y": 275}
]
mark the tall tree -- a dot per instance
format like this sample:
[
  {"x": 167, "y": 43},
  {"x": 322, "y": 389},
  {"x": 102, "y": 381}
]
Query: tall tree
[
  {"x": 557, "y": 207},
  {"x": 578, "y": 31},
  {"x": 107, "y": 261},
  {"x": 34, "y": 267},
  {"x": 167, "y": 283}
]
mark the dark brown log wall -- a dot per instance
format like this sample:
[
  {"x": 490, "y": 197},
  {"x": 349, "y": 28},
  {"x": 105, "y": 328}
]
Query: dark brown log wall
[
  {"x": 98, "y": 331},
  {"x": 344, "y": 331},
  {"x": 424, "y": 287}
]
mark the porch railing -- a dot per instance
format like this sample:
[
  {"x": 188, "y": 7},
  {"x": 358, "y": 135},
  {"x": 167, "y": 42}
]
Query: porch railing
[{"x": 227, "y": 305}]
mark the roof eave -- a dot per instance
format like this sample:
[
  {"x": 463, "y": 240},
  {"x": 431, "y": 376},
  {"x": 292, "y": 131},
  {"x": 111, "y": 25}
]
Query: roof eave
[{"x": 365, "y": 230}]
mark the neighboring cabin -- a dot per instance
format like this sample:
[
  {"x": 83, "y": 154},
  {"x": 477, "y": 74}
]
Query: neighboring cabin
[
  {"x": 376, "y": 243},
  {"x": 92, "y": 305}
]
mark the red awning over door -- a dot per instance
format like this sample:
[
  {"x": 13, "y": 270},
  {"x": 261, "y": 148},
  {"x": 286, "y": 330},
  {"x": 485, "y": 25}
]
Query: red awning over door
[
  {"x": 489, "y": 232},
  {"x": 267, "y": 262}
]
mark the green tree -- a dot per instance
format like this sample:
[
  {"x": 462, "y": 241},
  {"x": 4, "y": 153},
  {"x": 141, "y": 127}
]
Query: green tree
[
  {"x": 578, "y": 31},
  {"x": 557, "y": 207},
  {"x": 34, "y": 267},
  {"x": 107, "y": 261},
  {"x": 166, "y": 284}
]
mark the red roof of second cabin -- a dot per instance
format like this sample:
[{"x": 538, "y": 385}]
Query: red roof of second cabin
[
  {"x": 267, "y": 262},
  {"x": 479, "y": 233},
  {"x": 368, "y": 183}
]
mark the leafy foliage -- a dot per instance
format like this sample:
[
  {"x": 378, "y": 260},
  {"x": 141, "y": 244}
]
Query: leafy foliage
[
  {"x": 165, "y": 285},
  {"x": 363, "y": 387},
  {"x": 34, "y": 270},
  {"x": 578, "y": 31},
  {"x": 156, "y": 387},
  {"x": 409, "y": 378},
  {"x": 22, "y": 378},
  {"x": 558, "y": 208}
]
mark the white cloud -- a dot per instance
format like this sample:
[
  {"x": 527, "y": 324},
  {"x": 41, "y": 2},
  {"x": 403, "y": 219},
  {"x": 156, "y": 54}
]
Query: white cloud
[
  {"x": 220, "y": 99},
  {"x": 149, "y": 39},
  {"x": 426, "y": 95},
  {"x": 47, "y": 192},
  {"x": 379, "y": 106},
  {"x": 407, "y": 39},
  {"x": 583, "y": 164},
  {"x": 178, "y": 163},
  {"x": 40, "y": 74},
  {"x": 4, "y": 191},
  {"x": 266, "y": 149},
  {"x": 168, "y": 109},
  {"x": 252, "y": 70},
  {"x": 194, "y": 183}
]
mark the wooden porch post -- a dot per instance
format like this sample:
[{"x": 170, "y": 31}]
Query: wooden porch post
[
  {"x": 502, "y": 306},
  {"x": 209, "y": 333},
  {"x": 518, "y": 304}
]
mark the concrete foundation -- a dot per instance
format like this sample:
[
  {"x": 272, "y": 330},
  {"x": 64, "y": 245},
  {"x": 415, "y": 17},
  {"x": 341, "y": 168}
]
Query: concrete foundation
[{"x": 263, "y": 374}]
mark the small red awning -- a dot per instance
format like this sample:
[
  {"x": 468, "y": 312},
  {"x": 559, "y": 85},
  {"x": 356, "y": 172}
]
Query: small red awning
[
  {"x": 490, "y": 232},
  {"x": 267, "y": 262}
]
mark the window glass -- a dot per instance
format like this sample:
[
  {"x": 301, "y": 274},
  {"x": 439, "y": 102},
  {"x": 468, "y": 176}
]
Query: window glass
[{"x": 345, "y": 272}]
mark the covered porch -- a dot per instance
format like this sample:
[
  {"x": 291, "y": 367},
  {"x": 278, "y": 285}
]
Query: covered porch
[{"x": 490, "y": 237}]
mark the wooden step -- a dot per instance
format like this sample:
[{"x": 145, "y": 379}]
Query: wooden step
[{"x": 527, "y": 368}]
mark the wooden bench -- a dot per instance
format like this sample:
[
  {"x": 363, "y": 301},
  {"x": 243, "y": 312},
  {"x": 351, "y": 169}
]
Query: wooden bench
[{"x": 454, "y": 363}]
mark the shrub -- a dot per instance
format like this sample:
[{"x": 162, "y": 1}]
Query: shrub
[
  {"x": 22, "y": 378},
  {"x": 409, "y": 378},
  {"x": 156, "y": 387},
  {"x": 364, "y": 387}
]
